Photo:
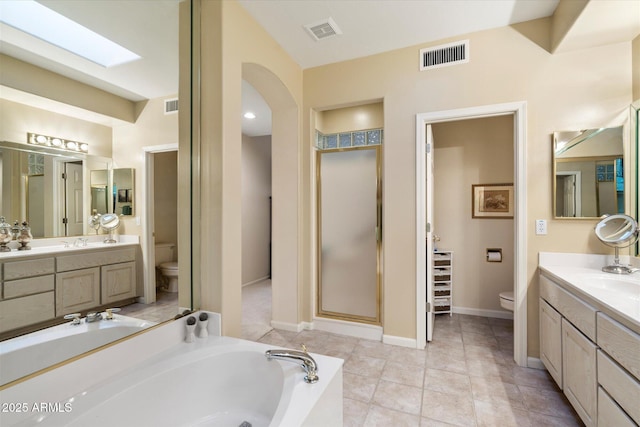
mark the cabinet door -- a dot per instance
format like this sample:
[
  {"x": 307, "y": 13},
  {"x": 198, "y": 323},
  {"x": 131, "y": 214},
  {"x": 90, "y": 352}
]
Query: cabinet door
[
  {"x": 118, "y": 282},
  {"x": 551, "y": 340},
  {"x": 579, "y": 373},
  {"x": 610, "y": 414},
  {"x": 77, "y": 290}
]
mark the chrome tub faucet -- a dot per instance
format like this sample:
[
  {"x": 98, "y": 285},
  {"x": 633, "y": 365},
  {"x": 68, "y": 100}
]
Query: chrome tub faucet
[{"x": 301, "y": 357}]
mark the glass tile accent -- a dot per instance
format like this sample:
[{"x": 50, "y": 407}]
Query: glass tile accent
[
  {"x": 35, "y": 164},
  {"x": 373, "y": 137},
  {"x": 359, "y": 139},
  {"x": 330, "y": 141},
  {"x": 345, "y": 140},
  {"x": 348, "y": 139}
]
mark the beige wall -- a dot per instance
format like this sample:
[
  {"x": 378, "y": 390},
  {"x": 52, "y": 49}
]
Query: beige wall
[
  {"x": 563, "y": 91},
  {"x": 234, "y": 47},
  {"x": 468, "y": 152},
  {"x": 635, "y": 68},
  {"x": 256, "y": 216},
  {"x": 360, "y": 117}
]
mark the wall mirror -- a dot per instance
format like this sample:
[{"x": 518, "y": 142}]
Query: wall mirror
[
  {"x": 123, "y": 181},
  {"x": 106, "y": 17},
  {"x": 589, "y": 173}
]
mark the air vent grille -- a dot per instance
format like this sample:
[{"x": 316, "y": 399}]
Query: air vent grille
[
  {"x": 323, "y": 29},
  {"x": 444, "y": 55},
  {"x": 171, "y": 106}
]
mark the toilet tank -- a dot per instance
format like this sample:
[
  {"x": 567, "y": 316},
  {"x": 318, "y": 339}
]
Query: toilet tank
[{"x": 164, "y": 252}]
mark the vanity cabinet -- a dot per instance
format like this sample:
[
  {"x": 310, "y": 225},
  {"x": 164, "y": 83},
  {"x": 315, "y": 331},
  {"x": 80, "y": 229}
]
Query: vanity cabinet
[
  {"x": 27, "y": 293},
  {"x": 593, "y": 358},
  {"x": 118, "y": 282},
  {"x": 77, "y": 290},
  {"x": 37, "y": 289}
]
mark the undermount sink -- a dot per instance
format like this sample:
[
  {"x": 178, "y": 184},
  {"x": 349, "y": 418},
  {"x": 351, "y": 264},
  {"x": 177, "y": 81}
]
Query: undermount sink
[{"x": 624, "y": 286}]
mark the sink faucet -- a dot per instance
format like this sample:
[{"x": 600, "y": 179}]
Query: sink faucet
[
  {"x": 80, "y": 242},
  {"x": 301, "y": 357},
  {"x": 74, "y": 317}
]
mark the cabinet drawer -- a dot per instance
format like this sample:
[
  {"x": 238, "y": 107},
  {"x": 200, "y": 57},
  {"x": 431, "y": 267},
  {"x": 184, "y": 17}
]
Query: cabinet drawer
[
  {"x": 32, "y": 285},
  {"x": 95, "y": 259},
  {"x": 582, "y": 315},
  {"x": 610, "y": 414},
  {"x": 621, "y": 386},
  {"x": 25, "y": 311},
  {"x": 620, "y": 342},
  {"x": 29, "y": 268}
]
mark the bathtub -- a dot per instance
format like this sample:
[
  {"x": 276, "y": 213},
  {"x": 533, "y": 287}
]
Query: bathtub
[
  {"x": 217, "y": 381},
  {"x": 30, "y": 353}
]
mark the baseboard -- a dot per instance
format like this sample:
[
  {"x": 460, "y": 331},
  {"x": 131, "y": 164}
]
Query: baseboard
[
  {"x": 291, "y": 327},
  {"x": 399, "y": 341},
  {"x": 498, "y": 314},
  {"x": 535, "y": 363},
  {"x": 253, "y": 282},
  {"x": 352, "y": 329}
]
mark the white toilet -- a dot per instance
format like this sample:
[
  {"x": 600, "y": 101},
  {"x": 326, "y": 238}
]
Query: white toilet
[
  {"x": 167, "y": 265},
  {"x": 506, "y": 300}
]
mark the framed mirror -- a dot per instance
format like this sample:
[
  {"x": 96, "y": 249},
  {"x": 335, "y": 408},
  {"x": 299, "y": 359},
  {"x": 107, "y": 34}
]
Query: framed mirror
[
  {"x": 123, "y": 183},
  {"x": 588, "y": 173}
]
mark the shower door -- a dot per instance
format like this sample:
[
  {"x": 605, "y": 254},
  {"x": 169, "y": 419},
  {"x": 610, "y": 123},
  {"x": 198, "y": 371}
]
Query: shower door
[{"x": 349, "y": 234}]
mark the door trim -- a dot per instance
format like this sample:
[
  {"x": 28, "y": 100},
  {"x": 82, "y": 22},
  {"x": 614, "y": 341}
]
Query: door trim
[{"x": 518, "y": 110}]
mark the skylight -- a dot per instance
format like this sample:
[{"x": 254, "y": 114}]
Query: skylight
[{"x": 41, "y": 22}]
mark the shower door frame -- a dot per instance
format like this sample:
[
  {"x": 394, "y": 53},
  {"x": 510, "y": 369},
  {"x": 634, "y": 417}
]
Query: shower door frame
[{"x": 377, "y": 320}]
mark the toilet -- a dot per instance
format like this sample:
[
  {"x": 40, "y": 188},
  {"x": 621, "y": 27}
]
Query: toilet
[
  {"x": 167, "y": 265},
  {"x": 506, "y": 300}
]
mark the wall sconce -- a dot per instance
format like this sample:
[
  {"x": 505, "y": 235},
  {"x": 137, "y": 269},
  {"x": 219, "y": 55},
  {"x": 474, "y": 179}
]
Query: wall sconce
[{"x": 59, "y": 143}]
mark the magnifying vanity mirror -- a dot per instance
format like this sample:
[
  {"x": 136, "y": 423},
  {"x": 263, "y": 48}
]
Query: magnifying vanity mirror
[
  {"x": 588, "y": 169},
  {"x": 617, "y": 231}
]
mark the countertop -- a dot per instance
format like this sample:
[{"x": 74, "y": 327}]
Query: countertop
[
  {"x": 581, "y": 274},
  {"x": 56, "y": 246}
]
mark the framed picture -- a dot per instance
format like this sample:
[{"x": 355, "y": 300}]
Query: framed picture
[{"x": 492, "y": 200}]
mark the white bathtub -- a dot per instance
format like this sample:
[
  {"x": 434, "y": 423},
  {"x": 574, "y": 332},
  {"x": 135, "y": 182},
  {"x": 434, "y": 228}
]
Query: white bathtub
[
  {"x": 217, "y": 381},
  {"x": 30, "y": 353}
]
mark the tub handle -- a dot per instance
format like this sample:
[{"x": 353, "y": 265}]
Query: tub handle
[
  {"x": 110, "y": 312},
  {"x": 74, "y": 317}
]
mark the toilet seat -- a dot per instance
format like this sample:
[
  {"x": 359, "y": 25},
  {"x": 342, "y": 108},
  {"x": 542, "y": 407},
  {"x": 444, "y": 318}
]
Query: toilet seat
[
  {"x": 171, "y": 265},
  {"x": 506, "y": 300}
]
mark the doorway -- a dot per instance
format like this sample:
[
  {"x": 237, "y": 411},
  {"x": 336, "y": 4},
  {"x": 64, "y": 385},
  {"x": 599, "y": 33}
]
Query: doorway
[{"x": 518, "y": 110}]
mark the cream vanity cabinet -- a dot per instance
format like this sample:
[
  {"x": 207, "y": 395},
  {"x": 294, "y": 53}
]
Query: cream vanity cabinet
[
  {"x": 87, "y": 280},
  {"x": 28, "y": 292},
  {"x": 594, "y": 359}
]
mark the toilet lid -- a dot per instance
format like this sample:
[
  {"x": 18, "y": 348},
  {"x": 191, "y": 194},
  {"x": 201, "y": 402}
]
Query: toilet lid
[
  {"x": 171, "y": 265},
  {"x": 506, "y": 295}
]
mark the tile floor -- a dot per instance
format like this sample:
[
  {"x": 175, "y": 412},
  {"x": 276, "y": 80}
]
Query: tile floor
[{"x": 465, "y": 377}]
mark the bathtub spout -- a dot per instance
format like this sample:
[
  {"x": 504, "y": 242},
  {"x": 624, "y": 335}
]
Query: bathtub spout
[{"x": 301, "y": 357}]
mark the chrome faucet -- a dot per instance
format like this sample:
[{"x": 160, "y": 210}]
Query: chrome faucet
[
  {"x": 80, "y": 242},
  {"x": 301, "y": 357},
  {"x": 93, "y": 317}
]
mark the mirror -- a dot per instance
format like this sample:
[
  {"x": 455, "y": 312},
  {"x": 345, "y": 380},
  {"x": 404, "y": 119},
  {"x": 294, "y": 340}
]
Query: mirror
[
  {"x": 99, "y": 182},
  {"x": 617, "y": 231},
  {"x": 588, "y": 168},
  {"x": 123, "y": 181},
  {"x": 160, "y": 30}
]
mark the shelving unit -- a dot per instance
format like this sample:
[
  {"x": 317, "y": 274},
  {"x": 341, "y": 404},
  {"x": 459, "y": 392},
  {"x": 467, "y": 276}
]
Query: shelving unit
[{"x": 443, "y": 281}]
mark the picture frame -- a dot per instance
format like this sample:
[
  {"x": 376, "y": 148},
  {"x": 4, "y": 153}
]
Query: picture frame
[{"x": 492, "y": 201}]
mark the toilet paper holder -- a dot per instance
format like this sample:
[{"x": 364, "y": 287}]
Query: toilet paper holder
[{"x": 494, "y": 255}]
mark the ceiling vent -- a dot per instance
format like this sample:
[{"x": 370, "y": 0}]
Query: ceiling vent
[
  {"x": 171, "y": 106},
  {"x": 323, "y": 29},
  {"x": 444, "y": 55}
]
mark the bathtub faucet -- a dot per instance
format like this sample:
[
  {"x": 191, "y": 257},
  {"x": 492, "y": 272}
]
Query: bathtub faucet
[
  {"x": 93, "y": 317},
  {"x": 302, "y": 357}
]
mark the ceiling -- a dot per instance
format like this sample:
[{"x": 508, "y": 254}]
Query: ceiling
[{"x": 150, "y": 28}]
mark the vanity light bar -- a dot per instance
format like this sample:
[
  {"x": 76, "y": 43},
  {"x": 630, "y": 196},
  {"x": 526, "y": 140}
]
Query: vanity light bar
[{"x": 59, "y": 143}]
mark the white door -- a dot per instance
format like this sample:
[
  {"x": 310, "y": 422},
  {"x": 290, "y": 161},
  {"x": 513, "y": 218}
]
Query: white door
[
  {"x": 431, "y": 317},
  {"x": 73, "y": 195}
]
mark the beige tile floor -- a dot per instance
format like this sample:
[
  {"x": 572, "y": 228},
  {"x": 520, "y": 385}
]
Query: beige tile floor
[
  {"x": 465, "y": 377},
  {"x": 165, "y": 308}
]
